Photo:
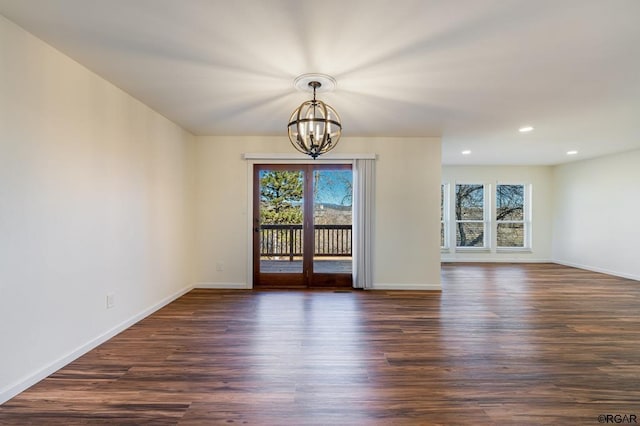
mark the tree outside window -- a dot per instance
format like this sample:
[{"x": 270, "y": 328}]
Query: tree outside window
[
  {"x": 510, "y": 216},
  {"x": 281, "y": 195},
  {"x": 470, "y": 215}
]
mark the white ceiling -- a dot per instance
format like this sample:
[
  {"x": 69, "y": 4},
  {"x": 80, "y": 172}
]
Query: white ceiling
[{"x": 471, "y": 71}]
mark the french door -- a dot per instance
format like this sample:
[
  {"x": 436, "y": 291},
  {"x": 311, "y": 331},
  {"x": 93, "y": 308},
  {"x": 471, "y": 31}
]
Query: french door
[{"x": 302, "y": 225}]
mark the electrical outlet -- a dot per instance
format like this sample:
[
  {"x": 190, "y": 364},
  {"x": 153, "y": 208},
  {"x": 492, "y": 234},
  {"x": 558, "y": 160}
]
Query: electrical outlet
[
  {"x": 219, "y": 266},
  {"x": 111, "y": 300}
]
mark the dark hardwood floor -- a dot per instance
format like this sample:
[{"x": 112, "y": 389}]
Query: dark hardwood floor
[{"x": 501, "y": 344}]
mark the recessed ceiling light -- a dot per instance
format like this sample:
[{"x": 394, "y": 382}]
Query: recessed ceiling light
[
  {"x": 525, "y": 129},
  {"x": 466, "y": 152},
  {"x": 573, "y": 152}
]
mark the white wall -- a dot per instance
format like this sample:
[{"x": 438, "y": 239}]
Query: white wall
[
  {"x": 540, "y": 179},
  {"x": 407, "y": 253},
  {"x": 596, "y": 221},
  {"x": 95, "y": 196}
]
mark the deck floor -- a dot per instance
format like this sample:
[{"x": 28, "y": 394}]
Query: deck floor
[{"x": 329, "y": 266}]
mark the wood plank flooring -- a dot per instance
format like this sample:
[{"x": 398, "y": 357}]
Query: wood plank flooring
[{"x": 501, "y": 344}]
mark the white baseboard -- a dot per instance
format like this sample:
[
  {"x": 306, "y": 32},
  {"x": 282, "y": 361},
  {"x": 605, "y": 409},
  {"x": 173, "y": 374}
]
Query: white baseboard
[
  {"x": 395, "y": 286},
  {"x": 596, "y": 269},
  {"x": 14, "y": 389},
  {"x": 222, "y": 286},
  {"x": 493, "y": 260}
]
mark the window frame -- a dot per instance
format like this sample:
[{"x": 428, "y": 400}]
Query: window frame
[
  {"x": 526, "y": 219},
  {"x": 486, "y": 218},
  {"x": 445, "y": 198}
]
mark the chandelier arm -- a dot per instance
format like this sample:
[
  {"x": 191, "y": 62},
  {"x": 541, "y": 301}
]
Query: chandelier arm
[
  {"x": 296, "y": 141},
  {"x": 298, "y": 146}
]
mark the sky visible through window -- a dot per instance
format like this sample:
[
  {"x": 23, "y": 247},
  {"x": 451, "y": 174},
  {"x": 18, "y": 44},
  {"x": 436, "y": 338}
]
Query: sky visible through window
[{"x": 333, "y": 187}]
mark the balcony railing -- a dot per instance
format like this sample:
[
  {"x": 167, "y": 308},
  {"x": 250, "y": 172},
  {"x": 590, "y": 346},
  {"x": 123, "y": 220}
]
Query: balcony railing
[{"x": 286, "y": 240}]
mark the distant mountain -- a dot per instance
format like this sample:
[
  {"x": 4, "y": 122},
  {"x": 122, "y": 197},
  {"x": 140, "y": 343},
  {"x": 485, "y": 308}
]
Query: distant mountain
[{"x": 333, "y": 214}]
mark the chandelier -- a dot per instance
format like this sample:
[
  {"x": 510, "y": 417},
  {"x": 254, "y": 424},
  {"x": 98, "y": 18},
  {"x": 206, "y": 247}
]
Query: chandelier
[{"x": 314, "y": 127}]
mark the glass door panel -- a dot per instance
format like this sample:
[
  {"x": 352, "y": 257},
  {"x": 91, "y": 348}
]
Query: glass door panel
[
  {"x": 281, "y": 214},
  {"x": 332, "y": 218}
]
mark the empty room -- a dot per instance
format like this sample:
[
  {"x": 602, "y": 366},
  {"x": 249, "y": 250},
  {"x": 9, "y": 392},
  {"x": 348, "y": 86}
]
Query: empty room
[{"x": 356, "y": 212}]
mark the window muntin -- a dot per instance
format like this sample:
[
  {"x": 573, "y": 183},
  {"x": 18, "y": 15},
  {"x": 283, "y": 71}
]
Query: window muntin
[{"x": 470, "y": 215}]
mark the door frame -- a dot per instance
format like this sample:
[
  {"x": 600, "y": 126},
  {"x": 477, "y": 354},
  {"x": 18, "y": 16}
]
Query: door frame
[{"x": 278, "y": 160}]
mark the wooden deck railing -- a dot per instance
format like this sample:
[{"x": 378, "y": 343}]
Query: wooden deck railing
[{"x": 286, "y": 240}]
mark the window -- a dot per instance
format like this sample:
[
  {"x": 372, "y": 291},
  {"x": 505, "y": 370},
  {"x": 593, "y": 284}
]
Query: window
[
  {"x": 444, "y": 216},
  {"x": 512, "y": 230},
  {"x": 482, "y": 224},
  {"x": 470, "y": 216}
]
